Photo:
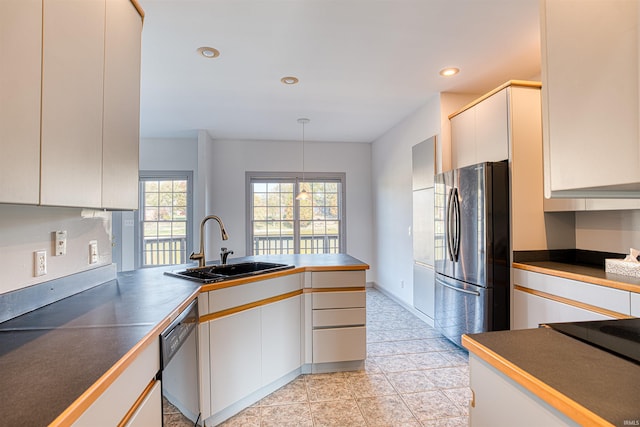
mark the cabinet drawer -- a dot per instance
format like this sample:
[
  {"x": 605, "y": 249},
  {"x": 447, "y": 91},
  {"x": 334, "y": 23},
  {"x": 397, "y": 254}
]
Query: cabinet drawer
[
  {"x": 339, "y": 317},
  {"x": 338, "y": 279},
  {"x": 339, "y": 345},
  {"x": 599, "y": 296},
  {"x": 349, "y": 299}
]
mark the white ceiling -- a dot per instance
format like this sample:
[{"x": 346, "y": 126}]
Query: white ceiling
[{"x": 363, "y": 65}]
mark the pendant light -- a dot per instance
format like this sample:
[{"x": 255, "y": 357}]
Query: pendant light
[{"x": 303, "y": 195}]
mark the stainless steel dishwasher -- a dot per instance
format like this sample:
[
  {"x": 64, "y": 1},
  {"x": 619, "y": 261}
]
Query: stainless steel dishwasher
[{"x": 179, "y": 369}]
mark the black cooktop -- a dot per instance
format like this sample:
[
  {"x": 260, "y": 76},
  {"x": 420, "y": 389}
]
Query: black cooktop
[{"x": 621, "y": 337}]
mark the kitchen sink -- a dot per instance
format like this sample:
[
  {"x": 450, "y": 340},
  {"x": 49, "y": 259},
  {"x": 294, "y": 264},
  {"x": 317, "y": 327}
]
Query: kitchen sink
[{"x": 220, "y": 273}]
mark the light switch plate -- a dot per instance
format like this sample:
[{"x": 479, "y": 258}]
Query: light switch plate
[
  {"x": 61, "y": 242},
  {"x": 93, "y": 252}
]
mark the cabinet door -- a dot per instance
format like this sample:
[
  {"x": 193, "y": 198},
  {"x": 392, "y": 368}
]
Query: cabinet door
[
  {"x": 590, "y": 95},
  {"x": 149, "y": 412},
  {"x": 235, "y": 353},
  {"x": 20, "y": 50},
  {"x": 281, "y": 346},
  {"x": 72, "y": 88},
  {"x": 530, "y": 311},
  {"x": 463, "y": 139},
  {"x": 492, "y": 129},
  {"x": 423, "y": 156},
  {"x": 121, "y": 106}
]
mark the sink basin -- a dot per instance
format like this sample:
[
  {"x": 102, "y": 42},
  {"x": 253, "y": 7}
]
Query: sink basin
[{"x": 219, "y": 273}]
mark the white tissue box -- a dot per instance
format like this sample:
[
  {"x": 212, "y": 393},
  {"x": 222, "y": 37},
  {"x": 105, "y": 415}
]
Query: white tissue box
[{"x": 619, "y": 266}]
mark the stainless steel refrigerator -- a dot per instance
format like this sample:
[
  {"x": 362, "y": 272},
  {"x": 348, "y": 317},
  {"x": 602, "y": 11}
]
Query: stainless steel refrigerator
[{"x": 471, "y": 252}]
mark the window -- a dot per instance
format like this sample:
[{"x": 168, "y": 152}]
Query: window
[
  {"x": 280, "y": 224},
  {"x": 164, "y": 218}
]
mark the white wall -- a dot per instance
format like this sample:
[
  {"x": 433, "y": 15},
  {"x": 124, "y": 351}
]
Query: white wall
[
  {"x": 393, "y": 197},
  {"x": 25, "y": 229},
  {"x": 230, "y": 159},
  {"x": 608, "y": 231}
]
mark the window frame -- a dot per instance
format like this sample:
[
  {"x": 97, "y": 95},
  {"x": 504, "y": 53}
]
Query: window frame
[
  {"x": 161, "y": 175},
  {"x": 296, "y": 178}
]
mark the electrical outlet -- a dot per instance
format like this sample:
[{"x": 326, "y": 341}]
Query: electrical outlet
[
  {"x": 93, "y": 252},
  {"x": 61, "y": 243},
  {"x": 39, "y": 263}
]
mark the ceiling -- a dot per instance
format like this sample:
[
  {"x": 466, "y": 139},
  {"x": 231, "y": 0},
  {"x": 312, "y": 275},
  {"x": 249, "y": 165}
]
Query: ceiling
[{"x": 363, "y": 65}]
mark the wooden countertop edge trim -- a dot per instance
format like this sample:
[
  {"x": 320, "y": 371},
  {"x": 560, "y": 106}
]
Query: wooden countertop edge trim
[
  {"x": 580, "y": 277},
  {"x": 573, "y": 303},
  {"x": 548, "y": 394},
  {"x": 520, "y": 83},
  {"x": 86, "y": 399},
  {"x": 267, "y": 276}
]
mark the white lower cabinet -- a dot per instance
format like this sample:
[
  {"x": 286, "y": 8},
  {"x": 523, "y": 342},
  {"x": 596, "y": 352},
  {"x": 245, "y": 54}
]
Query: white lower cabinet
[
  {"x": 235, "y": 352},
  {"x": 501, "y": 402},
  {"x": 281, "y": 349},
  {"x": 113, "y": 405},
  {"x": 253, "y": 348},
  {"x": 542, "y": 298},
  {"x": 339, "y": 344},
  {"x": 531, "y": 310}
]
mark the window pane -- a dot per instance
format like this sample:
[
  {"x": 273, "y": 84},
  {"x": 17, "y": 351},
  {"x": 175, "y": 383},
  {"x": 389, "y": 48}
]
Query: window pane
[
  {"x": 274, "y": 224},
  {"x": 164, "y": 227}
]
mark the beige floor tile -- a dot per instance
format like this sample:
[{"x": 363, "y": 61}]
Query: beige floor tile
[
  {"x": 410, "y": 381},
  {"x": 431, "y": 405},
  {"x": 397, "y": 363},
  {"x": 250, "y": 417},
  {"x": 297, "y": 414},
  {"x": 339, "y": 413},
  {"x": 370, "y": 385},
  {"x": 294, "y": 392},
  {"x": 386, "y": 411},
  {"x": 322, "y": 387}
]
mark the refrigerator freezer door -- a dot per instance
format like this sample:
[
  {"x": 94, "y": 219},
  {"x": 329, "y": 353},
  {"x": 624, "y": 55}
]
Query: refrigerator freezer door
[{"x": 461, "y": 308}]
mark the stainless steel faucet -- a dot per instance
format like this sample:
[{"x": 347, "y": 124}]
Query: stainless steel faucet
[{"x": 200, "y": 256}]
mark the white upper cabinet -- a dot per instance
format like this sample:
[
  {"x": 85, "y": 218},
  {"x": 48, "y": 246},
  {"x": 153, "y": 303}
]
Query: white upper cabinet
[
  {"x": 20, "y": 100},
  {"x": 479, "y": 133},
  {"x": 590, "y": 98},
  {"x": 70, "y": 100},
  {"x": 72, "y": 88},
  {"x": 121, "y": 125}
]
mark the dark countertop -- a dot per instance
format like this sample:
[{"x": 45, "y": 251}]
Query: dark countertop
[
  {"x": 568, "y": 374},
  {"x": 51, "y": 356}
]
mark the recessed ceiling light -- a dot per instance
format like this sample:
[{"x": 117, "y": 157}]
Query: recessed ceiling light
[
  {"x": 208, "y": 52},
  {"x": 449, "y": 71},
  {"x": 289, "y": 80}
]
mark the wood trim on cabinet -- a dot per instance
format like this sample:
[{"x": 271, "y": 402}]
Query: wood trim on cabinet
[
  {"x": 248, "y": 306},
  {"x": 573, "y": 303},
  {"x": 579, "y": 277},
  {"x": 520, "y": 83},
  {"x": 137, "y": 403},
  {"x": 548, "y": 394},
  {"x": 138, "y": 8}
]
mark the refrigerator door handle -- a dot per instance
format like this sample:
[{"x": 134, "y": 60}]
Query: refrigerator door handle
[
  {"x": 466, "y": 291},
  {"x": 449, "y": 225},
  {"x": 453, "y": 225}
]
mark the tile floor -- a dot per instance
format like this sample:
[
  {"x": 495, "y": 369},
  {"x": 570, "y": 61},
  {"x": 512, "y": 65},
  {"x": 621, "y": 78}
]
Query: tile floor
[{"x": 412, "y": 377}]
